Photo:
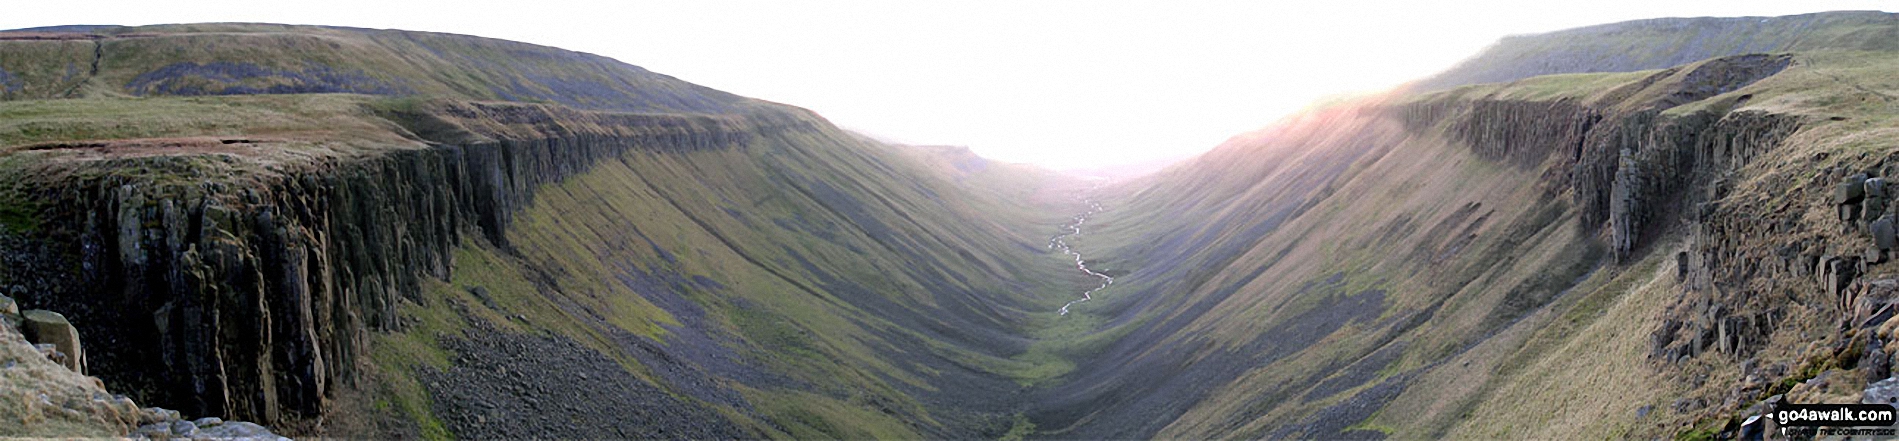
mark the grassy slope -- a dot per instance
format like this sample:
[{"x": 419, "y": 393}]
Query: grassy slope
[
  {"x": 774, "y": 242},
  {"x": 843, "y": 288},
  {"x": 728, "y": 218},
  {"x": 1822, "y": 85},
  {"x": 1516, "y": 317}
]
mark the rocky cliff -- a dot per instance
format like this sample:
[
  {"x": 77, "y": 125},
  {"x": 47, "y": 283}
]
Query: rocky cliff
[
  {"x": 1440, "y": 263},
  {"x": 351, "y": 237},
  {"x": 253, "y": 296},
  {"x": 1629, "y": 162}
]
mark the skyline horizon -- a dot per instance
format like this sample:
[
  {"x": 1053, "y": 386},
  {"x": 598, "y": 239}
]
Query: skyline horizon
[{"x": 1063, "y": 85}]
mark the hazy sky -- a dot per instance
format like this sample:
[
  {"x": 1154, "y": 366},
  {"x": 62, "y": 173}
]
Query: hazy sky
[{"x": 1060, "y": 83}]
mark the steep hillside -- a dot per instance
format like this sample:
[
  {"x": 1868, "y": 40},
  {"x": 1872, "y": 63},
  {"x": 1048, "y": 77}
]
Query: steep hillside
[
  {"x": 330, "y": 231},
  {"x": 1667, "y": 42},
  {"x": 1614, "y": 255},
  {"x": 367, "y": 233}
]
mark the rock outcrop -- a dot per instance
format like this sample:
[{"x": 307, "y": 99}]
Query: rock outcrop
[
  {"x": 9, "y": 311},
  {"x": 50, "y": 328},
  {"x": 1629, "y": 164},
  {"x": 254, "y": 297},
  {"x": 1636, "y": 165},
  {"x": 55, "y": 399}
]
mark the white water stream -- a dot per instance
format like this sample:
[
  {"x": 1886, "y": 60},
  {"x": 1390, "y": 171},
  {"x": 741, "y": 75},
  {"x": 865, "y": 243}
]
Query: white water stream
[{"x": 1060, "y": 241}]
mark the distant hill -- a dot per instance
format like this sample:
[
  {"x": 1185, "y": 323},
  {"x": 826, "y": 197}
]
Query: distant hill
[
  {"x": 249, "y": 59},
  {"x": 1666, "y": 42}
]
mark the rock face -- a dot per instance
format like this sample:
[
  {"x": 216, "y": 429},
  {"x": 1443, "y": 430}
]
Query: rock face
[
  {"x": 1628, "y": 163},
  {"x": 1882, "y": 392},
  {"x": 47, "y": 327},
  {"x": 254, "y": 301},
  {"x": 1634, "y": 169}
]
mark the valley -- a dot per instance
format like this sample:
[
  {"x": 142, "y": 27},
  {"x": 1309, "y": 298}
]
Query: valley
[{"x": 365, "y": 233}]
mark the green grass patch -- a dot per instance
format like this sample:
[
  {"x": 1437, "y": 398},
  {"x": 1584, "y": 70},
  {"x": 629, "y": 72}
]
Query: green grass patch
[
  {"x": 399, "y": 355},
  {"x": 805, "y": 415},
  {"x": 1019, "y": 430}
]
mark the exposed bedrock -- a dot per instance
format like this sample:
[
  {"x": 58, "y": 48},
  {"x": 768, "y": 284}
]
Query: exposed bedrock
[
  {"x": 1628, "y": 163},
  {"x": 255, "y": 298},
  {"x": 1637, "y": 162}
]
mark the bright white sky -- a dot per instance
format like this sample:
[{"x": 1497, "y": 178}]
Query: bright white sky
[{"x": 1065, "y": 84}]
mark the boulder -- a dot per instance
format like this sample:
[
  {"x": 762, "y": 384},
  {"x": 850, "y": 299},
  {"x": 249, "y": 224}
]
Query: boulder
[
  {"x": 1872, "y": 207},
  {"x": 1876, "y": 188},
  {"x": 1883, "y": 234},
  {"x": 184, "y": 429},
  {"x": 1878, "y": 318},
  {"x": 1754, "y": 429},
  {"x": 1881, "y": 392},
  {"x": 153, "y": 431},
  {"x": 1840, "y": 272},
  {"x": 1875, "y": 361},
  {"x": 9, "y": 311},
  {"x": 237, "y": 429},
  {"x": 42, "y": 326},
  {"x": 51, "y": 353},
  {"x": 1851, "y": 190},
  {"x": 1681, "y": 266}
]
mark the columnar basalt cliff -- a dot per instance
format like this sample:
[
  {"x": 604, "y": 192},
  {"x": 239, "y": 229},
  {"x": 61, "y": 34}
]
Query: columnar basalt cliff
[
  {"x": 326, "y": 229},
  {"x": 255, "y": 296},
  {"x": 1639, "y": 172},
  {"x": 1630, "y": 163}
]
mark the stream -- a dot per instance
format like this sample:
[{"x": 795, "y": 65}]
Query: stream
[{"x": 1061, "y": 241}]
